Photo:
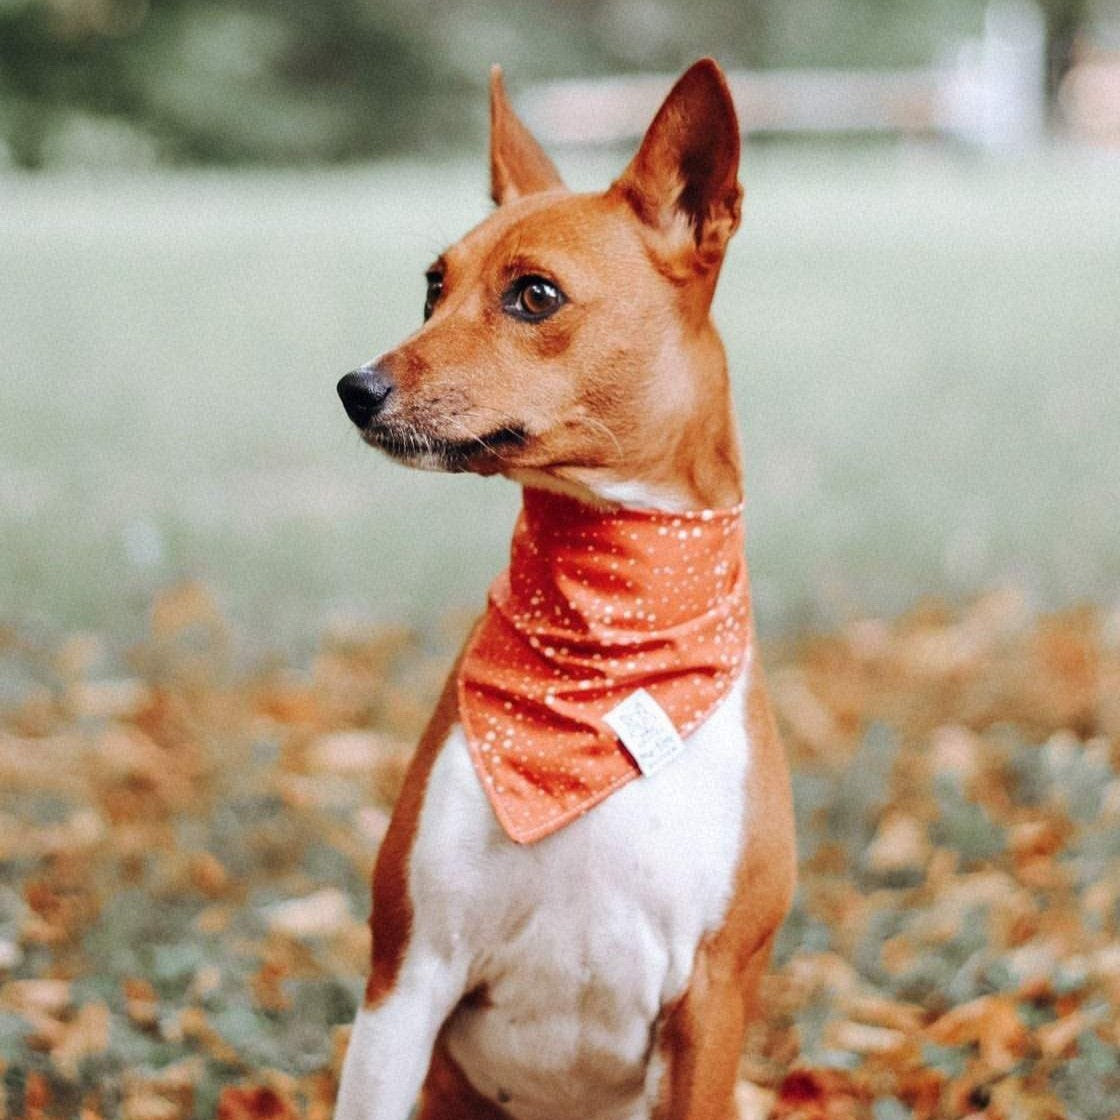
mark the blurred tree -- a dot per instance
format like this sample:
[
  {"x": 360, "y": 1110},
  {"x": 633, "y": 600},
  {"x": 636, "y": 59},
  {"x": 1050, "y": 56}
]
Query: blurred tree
[
  {"x": 272, "y": 80},
  {"x": 1064, "y": 20},
  {"x": 285, "y": 81}
]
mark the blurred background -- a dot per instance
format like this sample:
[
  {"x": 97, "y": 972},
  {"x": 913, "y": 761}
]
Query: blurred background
[{"x": 210, "y": 211}]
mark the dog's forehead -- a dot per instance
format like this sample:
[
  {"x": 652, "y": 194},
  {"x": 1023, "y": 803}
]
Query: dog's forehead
[{"x": 550, "y": 226}]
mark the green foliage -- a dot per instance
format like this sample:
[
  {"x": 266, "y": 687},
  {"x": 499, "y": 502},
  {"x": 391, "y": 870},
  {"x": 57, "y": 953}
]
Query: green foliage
[
  {"x": 964, "y": 825},
  {"x": 281, "y": 82},
  {"x": 1090, "y": 1081},
  {"x": 862, "y": 790},
  {"x": 890, "y": 1108},
  {"x": 198, "y": 81}
]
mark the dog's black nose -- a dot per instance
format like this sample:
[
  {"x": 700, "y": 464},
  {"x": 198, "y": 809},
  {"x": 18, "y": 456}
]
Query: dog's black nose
[{"x": 363, "y": 392}]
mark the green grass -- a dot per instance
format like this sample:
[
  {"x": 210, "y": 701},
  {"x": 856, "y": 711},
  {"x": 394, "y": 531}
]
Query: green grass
[{"x": 925, "y": 346}]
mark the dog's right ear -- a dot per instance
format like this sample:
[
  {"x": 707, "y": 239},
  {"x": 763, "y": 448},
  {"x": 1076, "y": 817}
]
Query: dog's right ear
[
  {"x": 683, "y": 182},
  {"x": 518, "y": 165}
]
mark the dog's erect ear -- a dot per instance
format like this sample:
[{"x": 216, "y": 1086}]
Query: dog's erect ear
[
  {"x": 518, "y": 165},
  {"x": 684, "y": 178}
]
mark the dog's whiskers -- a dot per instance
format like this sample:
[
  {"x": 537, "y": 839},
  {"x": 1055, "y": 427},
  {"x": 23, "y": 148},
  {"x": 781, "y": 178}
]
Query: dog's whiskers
[
  {"x": 480, "y": 440},
  {"x": 598, "y": 426}
]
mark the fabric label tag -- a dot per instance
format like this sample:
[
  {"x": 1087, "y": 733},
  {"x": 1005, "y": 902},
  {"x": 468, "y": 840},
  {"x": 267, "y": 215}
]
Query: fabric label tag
[{"x": 645, "y": 730}]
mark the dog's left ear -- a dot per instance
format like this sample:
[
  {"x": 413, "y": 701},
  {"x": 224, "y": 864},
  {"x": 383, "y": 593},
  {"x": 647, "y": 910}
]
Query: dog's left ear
[
  {"x": 684, "y": 180},
  {"x": 518, "y": 165}
]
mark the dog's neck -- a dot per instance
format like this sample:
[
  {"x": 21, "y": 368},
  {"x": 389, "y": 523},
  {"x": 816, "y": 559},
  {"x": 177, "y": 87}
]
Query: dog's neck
[
  {"x": 677, "y": 451},
  {"x": 605, "y": 492},
  {"x": 707, "y": 475},
  {"x": 589, "y": 569}
]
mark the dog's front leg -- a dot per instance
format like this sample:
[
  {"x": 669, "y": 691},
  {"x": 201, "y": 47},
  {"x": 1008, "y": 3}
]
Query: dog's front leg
[{"x": 391, "y": 1042}]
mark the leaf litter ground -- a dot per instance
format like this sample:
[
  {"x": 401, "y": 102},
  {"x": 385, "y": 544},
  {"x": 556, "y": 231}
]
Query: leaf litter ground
[{"x": 185, "y": 846}]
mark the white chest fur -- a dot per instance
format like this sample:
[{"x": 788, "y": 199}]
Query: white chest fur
[{"x": 579, "y": 940}]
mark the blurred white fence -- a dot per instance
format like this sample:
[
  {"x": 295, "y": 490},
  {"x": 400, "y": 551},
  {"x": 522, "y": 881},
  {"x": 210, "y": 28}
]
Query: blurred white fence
[{"x": 989, "y": 91}]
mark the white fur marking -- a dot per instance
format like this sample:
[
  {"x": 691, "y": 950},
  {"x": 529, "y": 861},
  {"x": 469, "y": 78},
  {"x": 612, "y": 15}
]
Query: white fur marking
[
  {"x": 390, "y": 1046},
  {"x": 607, "y": 492},
  {"x": 641, "y": 495}
]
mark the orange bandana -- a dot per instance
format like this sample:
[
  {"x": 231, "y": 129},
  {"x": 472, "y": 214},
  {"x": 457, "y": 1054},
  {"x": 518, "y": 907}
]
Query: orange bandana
[{"x": 594, "y": 608}]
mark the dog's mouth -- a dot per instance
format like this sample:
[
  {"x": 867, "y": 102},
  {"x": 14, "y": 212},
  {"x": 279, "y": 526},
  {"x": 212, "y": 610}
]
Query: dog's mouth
[{"x": 417, "y": 448}]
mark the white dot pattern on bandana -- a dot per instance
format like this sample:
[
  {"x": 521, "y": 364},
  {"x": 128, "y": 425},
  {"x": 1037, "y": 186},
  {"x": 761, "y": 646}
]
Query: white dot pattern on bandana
[{"x": 593, "y": 606}]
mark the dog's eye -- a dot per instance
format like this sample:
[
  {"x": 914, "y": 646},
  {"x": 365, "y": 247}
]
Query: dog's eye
[
  {"x": 533, "y": 298},
  {"x": 435, "y": 290}
]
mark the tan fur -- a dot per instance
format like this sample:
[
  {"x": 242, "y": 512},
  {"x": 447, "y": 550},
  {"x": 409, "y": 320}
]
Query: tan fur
[
  {"x": 391, "y": 919},
  {"x": 701, "y": 1036},
  {"x": 447, "y": 1093},
  {"x": 518, "y": 166}
]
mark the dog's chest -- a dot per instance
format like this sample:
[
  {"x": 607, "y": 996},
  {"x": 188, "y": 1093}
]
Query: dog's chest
[{"x": 574, "y": 944}]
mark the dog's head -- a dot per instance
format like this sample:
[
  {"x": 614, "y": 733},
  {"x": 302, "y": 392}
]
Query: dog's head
[{"x": 566, "y": 339}]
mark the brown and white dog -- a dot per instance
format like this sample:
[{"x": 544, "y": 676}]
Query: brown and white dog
[{"x": 602, "y": 968}]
